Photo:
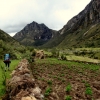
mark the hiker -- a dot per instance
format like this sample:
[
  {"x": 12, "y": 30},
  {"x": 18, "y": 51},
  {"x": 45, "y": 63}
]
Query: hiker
[{"x": 7, "y": 61}]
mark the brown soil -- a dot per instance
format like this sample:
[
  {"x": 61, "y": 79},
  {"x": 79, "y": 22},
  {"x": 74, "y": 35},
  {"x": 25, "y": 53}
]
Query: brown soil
[{"x": 59, "y": 81}]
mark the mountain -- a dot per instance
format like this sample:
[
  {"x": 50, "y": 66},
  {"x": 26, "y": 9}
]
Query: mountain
[
  {"x": 34, "y": 34},
  {"x": 83, "y": 30}
]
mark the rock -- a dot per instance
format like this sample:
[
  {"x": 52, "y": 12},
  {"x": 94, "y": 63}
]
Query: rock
[
  {"x": 28, "y": 98},
  {"x": 40, "y": 54}
]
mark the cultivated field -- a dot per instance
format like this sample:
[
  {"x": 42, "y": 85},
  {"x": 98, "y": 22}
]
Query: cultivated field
[{"x": 65, "y": 80}]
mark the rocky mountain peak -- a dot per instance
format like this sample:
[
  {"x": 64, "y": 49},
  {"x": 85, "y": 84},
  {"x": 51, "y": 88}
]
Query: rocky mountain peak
[{"x": 34, "y": 32}]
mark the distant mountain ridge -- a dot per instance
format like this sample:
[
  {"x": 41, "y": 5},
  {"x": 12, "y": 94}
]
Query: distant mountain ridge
[
  {"x": 83, "y": 30},
  {"x": 34, "y": 34}
]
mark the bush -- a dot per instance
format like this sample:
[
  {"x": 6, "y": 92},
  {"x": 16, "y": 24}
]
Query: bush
[
  {"x": 33, "y": 53},
  {"x": 13, "y": 56},
  {"x": 97, "y": 55},
  {"x": 55, "y": 53},
  {"x": 63, "y": 57}
]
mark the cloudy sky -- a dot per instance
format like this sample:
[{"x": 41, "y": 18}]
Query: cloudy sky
[{"x": 16, "y": 14}]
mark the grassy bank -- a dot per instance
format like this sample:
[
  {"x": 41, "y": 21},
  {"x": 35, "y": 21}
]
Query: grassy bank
[
  {"x": 7, "y": 74},
  {"x": 80, "y": 58},
  {"x": 51, "y": 61}
]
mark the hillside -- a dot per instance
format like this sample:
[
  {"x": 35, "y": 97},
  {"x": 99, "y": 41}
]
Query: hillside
[
  {"x": 5, "y": 37},
  {"x": 34, "y": 34},
  {"x": 9, "y": 45},
  {"x": 83, "y": 30}
]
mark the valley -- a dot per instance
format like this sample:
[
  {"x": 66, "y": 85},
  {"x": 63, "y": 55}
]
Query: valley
[{"x": 65, "y": 64}]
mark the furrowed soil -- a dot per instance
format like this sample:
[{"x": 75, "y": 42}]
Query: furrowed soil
[{"x": 64, "y": 80}]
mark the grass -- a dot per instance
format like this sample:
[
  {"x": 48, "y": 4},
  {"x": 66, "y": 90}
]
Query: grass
[
  {"x": 7, "y": 73},
  {"x": 80, "y": 58},
  {"x": 53, "y": 61}
]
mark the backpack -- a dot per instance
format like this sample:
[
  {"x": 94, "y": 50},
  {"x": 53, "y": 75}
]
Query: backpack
[{"x": 6, "y": 57}]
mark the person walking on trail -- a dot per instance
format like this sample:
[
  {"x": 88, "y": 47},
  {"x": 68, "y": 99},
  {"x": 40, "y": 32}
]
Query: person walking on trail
[{"x": 7, "y": 61}]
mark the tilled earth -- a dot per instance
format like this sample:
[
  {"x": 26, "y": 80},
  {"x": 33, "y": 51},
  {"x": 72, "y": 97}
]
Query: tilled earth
[{"x": 64, "y": 82}]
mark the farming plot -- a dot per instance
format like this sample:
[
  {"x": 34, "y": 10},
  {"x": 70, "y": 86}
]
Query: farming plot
[{"x": 64, "y": 80}]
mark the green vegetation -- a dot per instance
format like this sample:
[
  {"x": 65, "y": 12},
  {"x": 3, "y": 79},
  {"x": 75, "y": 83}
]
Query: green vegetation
[
  {"x": 48, "y": 91},
  {"x": 53, "y": 61},
  {"x": 57, "y": 73},
  {"x": 68, "y": 88},
  {"x": 68, "y": 98},
  {"x": 49, "y": 82},
  {"x": 4, "y": 76},
  {"x": 60, "y": 66},
  {"x": 88, "y": 91},
  {"x": 11, "y": 46},
  {"x": 81, "y": 37}
]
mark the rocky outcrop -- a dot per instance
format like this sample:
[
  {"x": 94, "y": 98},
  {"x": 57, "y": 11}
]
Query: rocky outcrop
[
  {"x": 34, "y": 34},
  {"x": 89, "y": 16},
  {"x": 40, "y": 54},
  {"x": 83, "y": 30},
  {"x": 22, "y": 85}
]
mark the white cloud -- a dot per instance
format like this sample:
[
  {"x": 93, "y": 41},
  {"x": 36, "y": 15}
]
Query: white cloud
[
  {"x": 15, "y": 14},
  {"x": 12, "y": 34}
]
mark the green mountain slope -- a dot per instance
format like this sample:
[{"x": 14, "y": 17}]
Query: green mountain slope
[
  {"x": 87, "y": 37},
  {"x": 9, "y": 45}
]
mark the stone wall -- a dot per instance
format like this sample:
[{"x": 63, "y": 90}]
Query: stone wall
[{"x": 22, "y": 85}]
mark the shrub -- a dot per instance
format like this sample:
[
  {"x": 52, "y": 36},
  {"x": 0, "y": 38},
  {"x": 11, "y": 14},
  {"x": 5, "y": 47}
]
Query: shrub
[
  {"x": 55, "y": 53},
  {"x": 63, "y": 57}
]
